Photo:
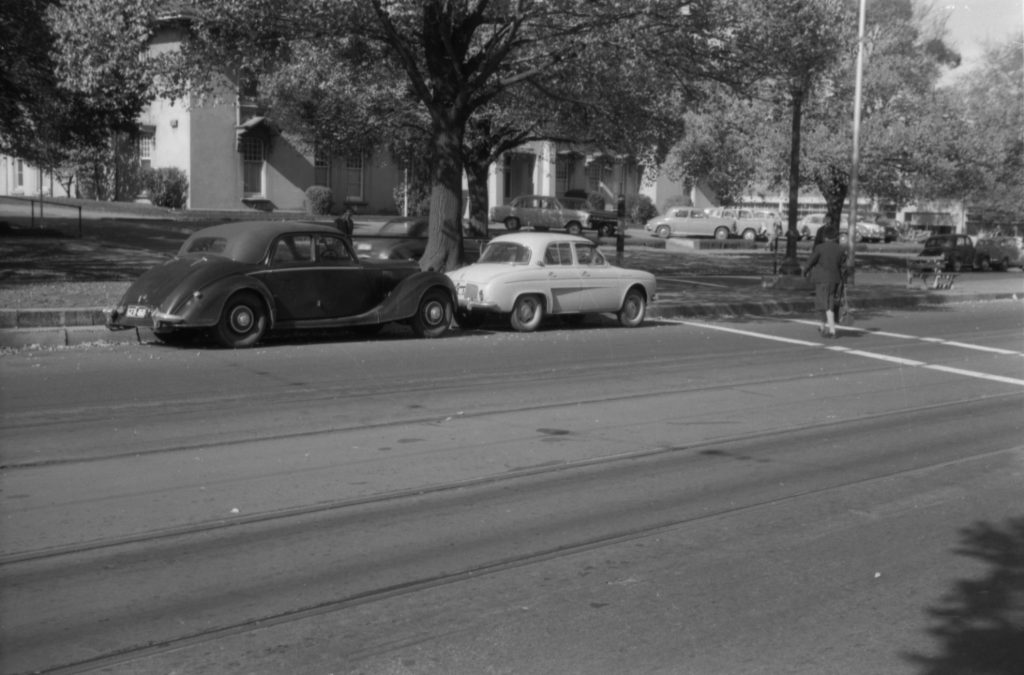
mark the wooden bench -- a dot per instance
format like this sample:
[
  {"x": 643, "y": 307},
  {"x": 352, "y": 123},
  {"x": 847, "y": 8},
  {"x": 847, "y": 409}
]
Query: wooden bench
[{"x": 931, "y": 271}]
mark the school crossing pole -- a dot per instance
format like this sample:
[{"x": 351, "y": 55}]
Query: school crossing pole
[{"x": 851, "y": 231}]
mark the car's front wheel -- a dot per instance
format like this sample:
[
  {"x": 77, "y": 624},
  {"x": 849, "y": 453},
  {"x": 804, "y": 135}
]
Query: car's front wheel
[
  {"x": 721, "y": 233},
  {"x": 243, "y": 321},
  {"x": 512, "y": 224},
  {"x": 663, "y": 231},
  {"x": 434, "y": 314},
  {"x": 749, "y": 234},
  {"x": 634, "y": 309},
  {"x": 984, "y": 264},
  {"x": 527, "y": 313},
  {"x": 574, "y": 228}
]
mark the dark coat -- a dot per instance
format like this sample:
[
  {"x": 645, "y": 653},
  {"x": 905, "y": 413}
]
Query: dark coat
[{"x": 825, "y": 266}]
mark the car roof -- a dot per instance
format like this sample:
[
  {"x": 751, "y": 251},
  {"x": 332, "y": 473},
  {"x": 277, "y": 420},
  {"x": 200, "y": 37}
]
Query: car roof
[
  {"x": 248, "y": 239},
  {"x": 540, "y": 239}
]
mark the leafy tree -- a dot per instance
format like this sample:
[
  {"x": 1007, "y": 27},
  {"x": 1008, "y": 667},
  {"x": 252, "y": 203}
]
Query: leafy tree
[
  {"x": 982, "y": 126},
  {"x": 464, "y": 78},
  {"x": 41, "y": 120}
]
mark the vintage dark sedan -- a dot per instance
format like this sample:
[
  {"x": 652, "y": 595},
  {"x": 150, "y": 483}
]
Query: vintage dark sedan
[{"x": 240, "y": 280}]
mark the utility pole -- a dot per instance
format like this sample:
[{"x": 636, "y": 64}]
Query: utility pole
[{"x": 851, "y": 238}]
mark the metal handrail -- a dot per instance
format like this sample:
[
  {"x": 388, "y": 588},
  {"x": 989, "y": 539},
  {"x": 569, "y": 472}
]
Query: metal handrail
[{"x": 32, "y": 208}]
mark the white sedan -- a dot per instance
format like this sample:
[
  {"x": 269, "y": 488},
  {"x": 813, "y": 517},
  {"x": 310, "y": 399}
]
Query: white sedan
[{"x": 527, "y": 275}]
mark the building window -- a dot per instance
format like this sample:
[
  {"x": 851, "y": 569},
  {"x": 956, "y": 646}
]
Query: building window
[
  {"x": 146, "y": 144},
  {"x": 252, "y": 166},
  {"x": 594, "y": 171},
  {"x": 354, "y": 177},
  {"x": 563, "y": 166},
  {"x": 19, "y": 173},
  {"x": 321, "y": 169}
]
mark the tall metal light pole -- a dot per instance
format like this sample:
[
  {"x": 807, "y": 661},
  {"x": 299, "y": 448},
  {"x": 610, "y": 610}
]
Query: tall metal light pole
[{"x": 851, "y": 236}]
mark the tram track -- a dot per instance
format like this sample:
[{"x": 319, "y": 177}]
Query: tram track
[
  {"x": 413, "y": 391},
  {"x": 239, "y": 521},
  {"x": 498, "y": 565}
]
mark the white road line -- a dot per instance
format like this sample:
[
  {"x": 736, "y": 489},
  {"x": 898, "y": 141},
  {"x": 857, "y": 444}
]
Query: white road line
[
  {"x": 855, "y": 352},
  {"x": 901, "y": 336}
]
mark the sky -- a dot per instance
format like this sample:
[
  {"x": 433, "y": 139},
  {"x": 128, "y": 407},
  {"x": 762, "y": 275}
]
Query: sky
[{"x": 973, "y": 22}]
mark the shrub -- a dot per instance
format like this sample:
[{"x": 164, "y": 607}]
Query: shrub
[
  {"x": 643, "y": 209},
  {"x": 167, "y": 186},
  {"x": 319, "y": 200}
]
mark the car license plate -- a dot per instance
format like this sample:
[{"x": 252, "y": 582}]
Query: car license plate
[{"x": 137, "y": 312}]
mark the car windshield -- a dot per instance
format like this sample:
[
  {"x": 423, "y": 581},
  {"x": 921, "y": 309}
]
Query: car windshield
[
  {"x": 505, "y": 252},
  {"x": 402, "y": 227},
  {"x": 575, "y": 203}
]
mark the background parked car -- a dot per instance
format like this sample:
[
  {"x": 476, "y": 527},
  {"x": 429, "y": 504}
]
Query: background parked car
[
  {"x": 955, "y": 250},
  {"x": 528, "y": 275},
  {"x": 751, "y": 224},
  {"x": 999, "y": 253},
  {"x": 689, "y": 221},
  {"x": 543, "y": 212},
  {"x": 405, "y": 238},
  {"x": 809, "y": 225}
]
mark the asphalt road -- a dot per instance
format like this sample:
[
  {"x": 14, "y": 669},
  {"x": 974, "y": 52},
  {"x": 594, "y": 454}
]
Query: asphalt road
[{"x": 686, "y": 497}]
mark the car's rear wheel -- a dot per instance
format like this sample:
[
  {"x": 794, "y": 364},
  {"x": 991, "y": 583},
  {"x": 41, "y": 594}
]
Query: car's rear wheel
[
  {"x": 512, "y": 224},
  {"x": 1004, "y": 264},
  {"x": 243, "y": 321},
  {"x": 574, "y": 228},
  {"x": 606, "y": 231},
  {"x": 469, "y": 320},
  {"x": 434, "y": 314},
  {"x": 527, "y": 313},
  {"x": 721, "y": 233},
  {"x": 956, "y": 265},
  {"x": 663, "y": 231},
  {"x": 634, "y": 309},
  {"x": 749, "y": 234},
  {"x": 984, "y": 264}
]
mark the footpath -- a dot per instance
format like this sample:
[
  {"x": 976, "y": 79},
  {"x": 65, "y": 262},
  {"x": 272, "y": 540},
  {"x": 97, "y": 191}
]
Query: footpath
[{"x": 683, "y": 292}]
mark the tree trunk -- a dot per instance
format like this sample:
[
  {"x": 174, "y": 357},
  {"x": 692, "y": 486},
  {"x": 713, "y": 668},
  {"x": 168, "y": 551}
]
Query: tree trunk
[
  {"x": 477, "y": 173},
  {"x": 834, "y": 185},
  {"x": 790, "y": 264},
  {"x": 444, "y": 244}
]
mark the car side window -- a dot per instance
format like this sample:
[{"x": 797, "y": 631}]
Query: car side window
[
  {"x": 589, "y": 255},
  {"x": 293, "y": 248},
  {"x": 558, "y": 254},
  {"x": 331, "y": 249}
]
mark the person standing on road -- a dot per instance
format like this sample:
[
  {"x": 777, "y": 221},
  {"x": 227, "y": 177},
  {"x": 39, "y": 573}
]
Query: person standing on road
[{"x": 825, "y": 269}]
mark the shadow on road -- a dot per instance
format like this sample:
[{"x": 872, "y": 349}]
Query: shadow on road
[{"x": 980, "y": 622}]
